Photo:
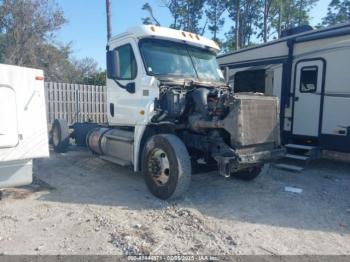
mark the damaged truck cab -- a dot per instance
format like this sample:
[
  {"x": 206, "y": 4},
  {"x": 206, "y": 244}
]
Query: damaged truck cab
[{"x": 169, "y": 108}]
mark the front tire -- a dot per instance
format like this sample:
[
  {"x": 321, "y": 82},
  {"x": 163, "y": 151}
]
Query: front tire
[
  {"x": 248, "y": 174},
  {"x": 166, "y": 166}
]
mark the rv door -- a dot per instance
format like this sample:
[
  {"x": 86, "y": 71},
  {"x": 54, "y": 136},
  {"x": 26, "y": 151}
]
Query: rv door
[{"x": 307, "y": 97}]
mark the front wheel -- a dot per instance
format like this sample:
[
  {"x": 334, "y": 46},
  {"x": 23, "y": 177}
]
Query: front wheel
[
  {"x": 248, "y": 174},
  {"x": 166, "y": 166}
]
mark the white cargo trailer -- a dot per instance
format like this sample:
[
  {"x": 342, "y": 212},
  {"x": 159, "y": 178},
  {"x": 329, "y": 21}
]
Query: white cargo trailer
[
  {"x": 310, "y": 72},
  {"x": 23, "y": 126}
]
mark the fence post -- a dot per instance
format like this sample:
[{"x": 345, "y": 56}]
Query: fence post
[{"x": 77, "y": 104}]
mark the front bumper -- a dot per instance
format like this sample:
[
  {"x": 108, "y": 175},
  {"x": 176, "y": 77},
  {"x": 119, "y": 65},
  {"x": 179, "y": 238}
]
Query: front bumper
[
  {"x": 263, "y": 156},
  {"x": 228, "y": 165}
]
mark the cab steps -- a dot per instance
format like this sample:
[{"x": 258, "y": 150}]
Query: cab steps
[{"x": 298, "y": 156}]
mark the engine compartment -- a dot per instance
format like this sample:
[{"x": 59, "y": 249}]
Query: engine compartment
[
  {"x": 176, "y": 102},
  {"x": 216, "y": 124}
]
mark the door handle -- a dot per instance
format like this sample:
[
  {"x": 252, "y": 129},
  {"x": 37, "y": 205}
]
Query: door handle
[{"x": 296, "y": 99}]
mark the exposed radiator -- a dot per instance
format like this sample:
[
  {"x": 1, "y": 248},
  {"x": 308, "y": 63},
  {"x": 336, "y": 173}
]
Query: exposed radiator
[{"x": 253, "y": 120}]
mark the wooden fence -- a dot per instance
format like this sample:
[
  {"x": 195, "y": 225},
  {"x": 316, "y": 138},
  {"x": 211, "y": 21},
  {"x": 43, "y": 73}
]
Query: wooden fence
[{"x": 75, "y": 103}]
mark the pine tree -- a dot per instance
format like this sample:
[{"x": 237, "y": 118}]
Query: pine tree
[
  {"x": 287, "y": 14},
  {"x": 214, "y": 12},
  {"x": 191, "y": 12},
  {"x": 187, "y": 14},
  {"x": 338, "y": 12},
  {"x": 271, "y": 10},
  {"x": 234, "y": 12},
  {"x": 244, "y": 14}
]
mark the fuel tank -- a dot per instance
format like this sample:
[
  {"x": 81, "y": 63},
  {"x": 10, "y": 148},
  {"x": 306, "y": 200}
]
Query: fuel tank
[{"x": 117, "y": 144}]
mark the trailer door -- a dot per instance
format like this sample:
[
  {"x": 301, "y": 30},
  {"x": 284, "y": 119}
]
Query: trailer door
[
  {"x": 8, "y": 117},
  {"x": 307, "y": 97}
]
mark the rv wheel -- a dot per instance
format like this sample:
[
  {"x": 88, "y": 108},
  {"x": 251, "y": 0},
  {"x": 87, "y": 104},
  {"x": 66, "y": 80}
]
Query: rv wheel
[
  {"x": 166, "y": 166},
  {"x": 60, "y": 136},
  {"x": 248, "y": 174}
]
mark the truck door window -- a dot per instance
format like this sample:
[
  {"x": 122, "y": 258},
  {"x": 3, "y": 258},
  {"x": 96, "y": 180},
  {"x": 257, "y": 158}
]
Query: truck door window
[
  {"x": 308, "y": 79},
  {"x": 127, "y": 63}
]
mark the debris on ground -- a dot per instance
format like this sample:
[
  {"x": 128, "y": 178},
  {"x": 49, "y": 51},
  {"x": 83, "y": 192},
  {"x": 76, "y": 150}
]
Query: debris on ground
[{"x": 293, "y": 190}]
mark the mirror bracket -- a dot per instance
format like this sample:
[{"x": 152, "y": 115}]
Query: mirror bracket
[{"x": 130, "y": 87}]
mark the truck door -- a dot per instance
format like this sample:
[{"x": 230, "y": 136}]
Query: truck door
[
  {"x": 307, "y": 97},
  {"x": 124, "y": 92}
]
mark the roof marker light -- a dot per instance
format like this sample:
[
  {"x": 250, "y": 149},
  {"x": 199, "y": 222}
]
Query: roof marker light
[
  {"x": 183, "y": 33},
  {"x": 190, "y": 35},
  {"x": 153, "y": 29},
  {"x": 198, "y": 37}
]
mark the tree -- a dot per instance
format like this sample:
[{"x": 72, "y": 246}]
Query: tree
[
  {"x": 286, "y": 14},
  {"x": 174, "y": 9},
  {"x": 151, "y": 18},
  {"x": 214, "y": 12},
  {"x": 234, "y": 10},
  {"x": 97, "y": 79},
  {"x": 271, "y": 9},
  {"x": 54, "y": 60},
  {"x": 25, "y": 26},
  {"x": 338, "y": 12},
  {"x": 244, "y": 14},
  {"x": 271, "y": 18},
  {"x": 27, "y": 34},
  {"x": 304, "y": 7},
  {"x": 250, "y": 15},
  {"x": 296, "y": 12},
  {"x": 88, "y": 72},
  {"x": 187, "y": 15}
]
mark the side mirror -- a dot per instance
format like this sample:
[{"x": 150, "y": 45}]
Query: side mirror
[
  {"x": 130, "y": 87},
  {"x": 112, "y": 64}
]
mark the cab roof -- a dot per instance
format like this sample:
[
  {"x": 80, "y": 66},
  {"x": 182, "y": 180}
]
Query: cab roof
[{"x": 171, "y": 35}]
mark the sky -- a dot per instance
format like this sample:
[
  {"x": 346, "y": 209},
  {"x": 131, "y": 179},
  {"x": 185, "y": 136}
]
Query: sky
[{"x": 86, "y": 27}]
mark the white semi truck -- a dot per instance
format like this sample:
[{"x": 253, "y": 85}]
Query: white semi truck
[
  {"x": 23, "y": 126},
  {"x": 169, "y": 108}
]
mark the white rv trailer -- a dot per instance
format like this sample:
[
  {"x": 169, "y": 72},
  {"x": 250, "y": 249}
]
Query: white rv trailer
[
  {"x": 23, "y": 126},
  {"x": 310, "y": 72}
]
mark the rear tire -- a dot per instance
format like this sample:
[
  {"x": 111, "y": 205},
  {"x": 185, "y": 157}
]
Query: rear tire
[
  {"x": 166, "y": 166},
  {"x": 248, "y": 174},
  {"x": 60, "y": 136}
]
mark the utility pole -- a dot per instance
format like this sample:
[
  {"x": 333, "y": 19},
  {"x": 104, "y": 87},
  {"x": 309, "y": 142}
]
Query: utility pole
[{"x": 109, "y": 19}]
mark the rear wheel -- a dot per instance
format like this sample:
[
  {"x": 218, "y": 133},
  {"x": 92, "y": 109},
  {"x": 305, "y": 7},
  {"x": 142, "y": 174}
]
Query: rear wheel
[
  {"x": 166, "y": 166},
  {"x": 60, "y": 136},
  {"x": 248, "y": 174}
]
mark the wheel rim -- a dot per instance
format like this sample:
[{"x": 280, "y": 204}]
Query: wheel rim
[
  {"x": 159, "y": 167},
  {"x": 55, "y": 136}
]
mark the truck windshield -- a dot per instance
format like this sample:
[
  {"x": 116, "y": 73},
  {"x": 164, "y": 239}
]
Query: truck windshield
[{"x": 165, "y": 58}]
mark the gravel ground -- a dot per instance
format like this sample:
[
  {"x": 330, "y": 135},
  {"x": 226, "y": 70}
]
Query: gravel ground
[{"x": 79, "y": 204}]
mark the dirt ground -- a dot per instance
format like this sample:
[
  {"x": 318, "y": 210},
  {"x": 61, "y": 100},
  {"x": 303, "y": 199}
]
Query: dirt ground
[{"x": 79, "y": 204}]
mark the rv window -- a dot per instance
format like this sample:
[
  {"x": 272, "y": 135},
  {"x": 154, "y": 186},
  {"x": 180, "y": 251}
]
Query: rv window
[
  {"x": 308, "y": 79},
  {"x": 250, "y": 81}
]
